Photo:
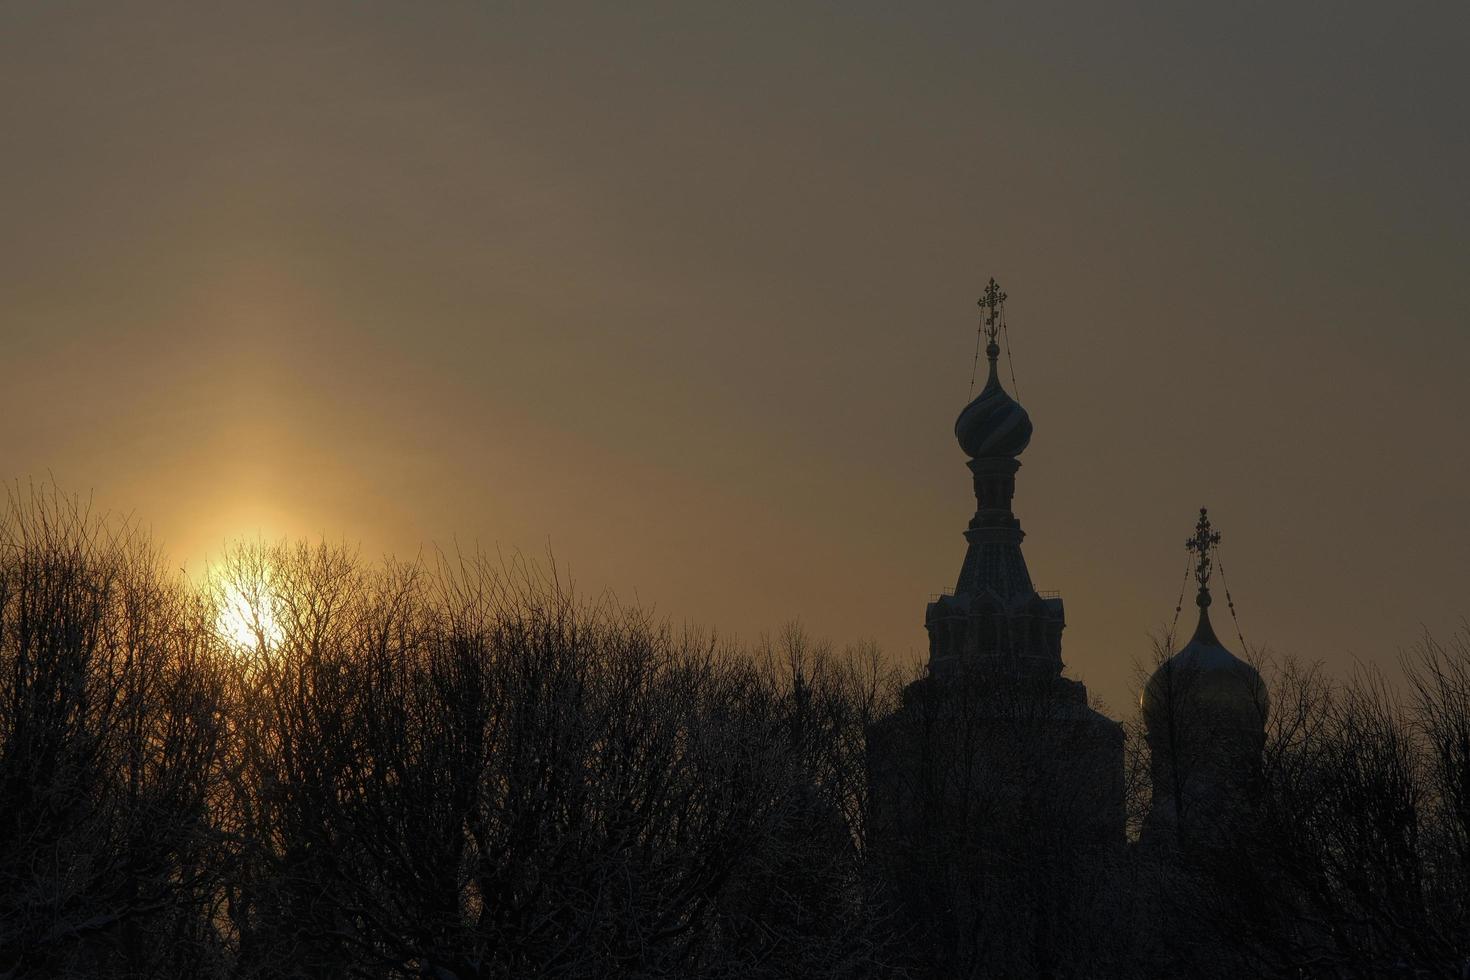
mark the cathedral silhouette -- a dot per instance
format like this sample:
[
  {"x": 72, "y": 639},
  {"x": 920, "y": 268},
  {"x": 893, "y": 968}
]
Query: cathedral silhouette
[{"x": 995, "y": 784}]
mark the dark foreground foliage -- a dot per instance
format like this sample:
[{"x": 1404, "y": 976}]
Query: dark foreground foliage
[{"x": 461, "y": 771}]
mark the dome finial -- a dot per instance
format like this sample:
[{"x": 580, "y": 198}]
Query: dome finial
[
  {"x": 994, "y": 305},
  {"x": 992, "y": 322},
  {"x": 1199, "y": 545}
]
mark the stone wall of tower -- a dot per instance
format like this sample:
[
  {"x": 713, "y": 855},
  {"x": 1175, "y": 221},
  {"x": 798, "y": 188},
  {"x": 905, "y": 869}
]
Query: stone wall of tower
[
  {"x": 996, "y": 809},
  {"x": 994, "y": 615}
]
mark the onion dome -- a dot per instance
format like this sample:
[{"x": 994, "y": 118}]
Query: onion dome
[
  {"x": 994, "y": 424},
  {"x": 1204, "y": 685}
]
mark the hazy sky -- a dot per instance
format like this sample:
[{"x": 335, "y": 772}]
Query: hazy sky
[{"x": 686, "y": 293}]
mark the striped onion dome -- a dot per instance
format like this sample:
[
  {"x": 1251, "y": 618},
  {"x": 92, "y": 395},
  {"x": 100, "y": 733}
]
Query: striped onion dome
[{"x": 994, "y": 424}]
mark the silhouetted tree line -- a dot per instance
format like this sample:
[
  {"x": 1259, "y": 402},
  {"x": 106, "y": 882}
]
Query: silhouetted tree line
[{"x": 459, "y": 770}]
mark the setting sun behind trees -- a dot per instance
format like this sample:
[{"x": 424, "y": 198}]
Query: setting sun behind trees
[
  {"x": 246, "y": 618},
  {"x": 246, "y": 596}
]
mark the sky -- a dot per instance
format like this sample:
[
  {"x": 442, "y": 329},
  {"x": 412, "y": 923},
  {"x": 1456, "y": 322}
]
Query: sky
[{"x": 683, "y": 294}]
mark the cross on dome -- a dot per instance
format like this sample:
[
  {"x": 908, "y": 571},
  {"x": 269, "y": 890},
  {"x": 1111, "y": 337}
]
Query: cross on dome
[
  {"x": 994, "y": 305},
  {"x": 1200, "y": 544}
]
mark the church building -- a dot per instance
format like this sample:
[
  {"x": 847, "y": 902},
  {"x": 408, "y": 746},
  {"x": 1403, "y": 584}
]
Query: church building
[{"x": 996, "y": 789}]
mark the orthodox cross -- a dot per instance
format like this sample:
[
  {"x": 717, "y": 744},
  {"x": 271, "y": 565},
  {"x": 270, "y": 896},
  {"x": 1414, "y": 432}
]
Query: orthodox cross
[
  {"x": 1200, "y": 544},
  {"x": 992, "y": 322},
  {"x": 994, "y": 305}
]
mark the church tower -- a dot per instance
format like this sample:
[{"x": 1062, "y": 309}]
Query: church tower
[
  {"x": 996, "y": 790},
  {"x": 1205, "y": 712},
  {"x": 995, "y": 621},
  {"x": 994, "y": 616}
]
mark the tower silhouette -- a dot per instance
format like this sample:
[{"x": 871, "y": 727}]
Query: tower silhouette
[
  {"x": 1205, "y": 713},
  {"x": 996, "y": 790}
]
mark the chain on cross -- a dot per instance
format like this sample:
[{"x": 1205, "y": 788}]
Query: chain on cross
[
  {"x": 994, "y": 305},
  {"x": 1200, "y": 544}
]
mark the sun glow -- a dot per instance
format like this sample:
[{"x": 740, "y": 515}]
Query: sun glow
[{"x": 246, "y": 617}]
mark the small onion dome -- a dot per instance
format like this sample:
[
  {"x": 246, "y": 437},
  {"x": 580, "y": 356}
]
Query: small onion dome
[
  {"x": 994, "y": 424},
  {"x": 1209, "y": 686}
]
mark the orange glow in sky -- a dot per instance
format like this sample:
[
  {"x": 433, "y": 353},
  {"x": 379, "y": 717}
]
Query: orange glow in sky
[{"x": 686, "y": 298}]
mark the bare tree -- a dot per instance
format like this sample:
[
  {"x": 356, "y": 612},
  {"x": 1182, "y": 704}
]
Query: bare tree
[
  {"x": 459, "y": 769},
  {"x": 467, "y": 772},
  {"x": 1439, "y": 688},
  {"x": 110, "y": 731},
  {"x": 1342, "y": 862}
]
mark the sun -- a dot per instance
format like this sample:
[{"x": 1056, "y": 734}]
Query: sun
[{"x": 246, "y": 617}]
